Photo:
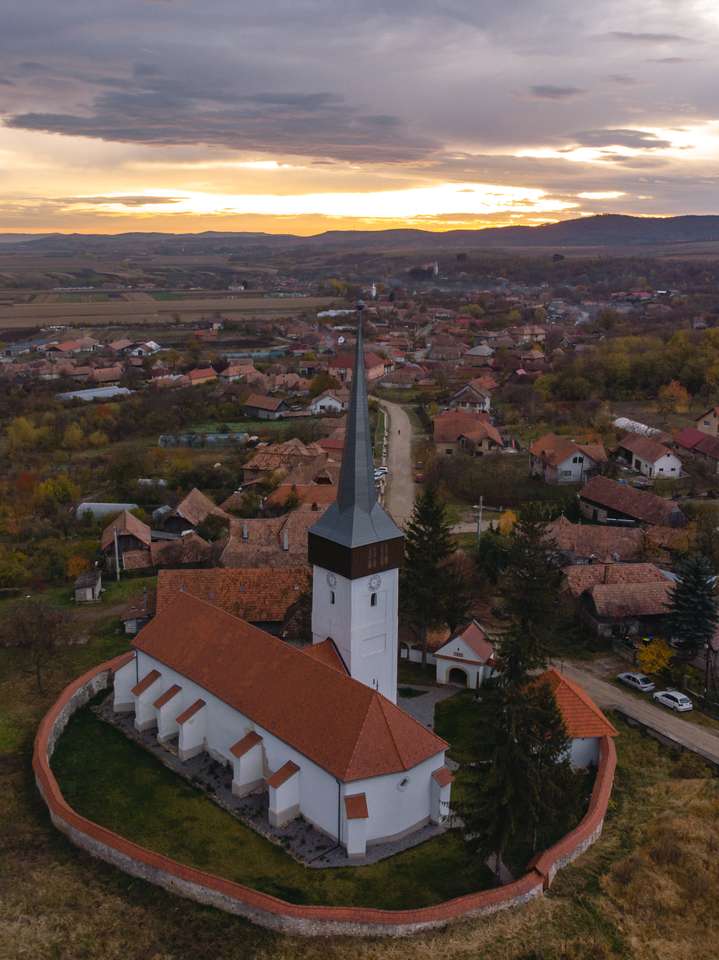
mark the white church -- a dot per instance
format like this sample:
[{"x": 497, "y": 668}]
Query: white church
[{"x": 317, "y": 728}]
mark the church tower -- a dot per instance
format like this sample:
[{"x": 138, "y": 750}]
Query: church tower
[{"x": 355, "y": 550}]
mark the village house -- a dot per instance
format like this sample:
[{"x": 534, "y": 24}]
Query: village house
[
  {"x": 260, "y": 407},
  {"x": 201, "y": 375},
  {"x": 341, "y": 367},
  {"x": 271, "y": 541},
  {"x": 194, "y": 508},
  {"x": 288, "y": 457},
  {"x": 606, "y": 501},
  {"x": 125, "y": 535},
  {"x": 703, "y": 446},
  {"x": 471, "y": 397},
  {"x": 467, "y": 658},
  {"x": 560, "y": 460},
  {"x": 310, "y": 494},
  {"x": 620, "y": 610},
  {"x": 648, "y": 457},
  {"x": 139, "y": 611},
  {"x": 581, "y": 543},
  {"x": 331, "y": 401},
  {"x": 458, "y": 431},
  {"x": 208, "y": 682},
  {"x": 708, "y": 422},
  {"x": 237, "y": 371}
]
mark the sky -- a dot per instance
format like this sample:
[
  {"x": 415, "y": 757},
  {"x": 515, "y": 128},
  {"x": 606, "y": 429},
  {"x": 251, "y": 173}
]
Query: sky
[{"x": 298, "y": 116}]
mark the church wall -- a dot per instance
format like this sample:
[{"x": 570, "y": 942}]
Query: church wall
[
  {"x": 225, "y": 726},
  {"x": 393, "y": 809}
]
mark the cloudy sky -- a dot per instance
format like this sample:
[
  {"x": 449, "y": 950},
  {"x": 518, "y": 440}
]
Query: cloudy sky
[{"x": 306, "y": 115}]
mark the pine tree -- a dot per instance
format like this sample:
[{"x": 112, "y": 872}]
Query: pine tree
[
  {"x": 694, "y": 611},
  {"x": 427, "y": 584}
]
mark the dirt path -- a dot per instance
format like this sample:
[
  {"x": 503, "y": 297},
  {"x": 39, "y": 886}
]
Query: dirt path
[
  {"x": 701, "y": 739},
  {"x": 400, "y": 491}
]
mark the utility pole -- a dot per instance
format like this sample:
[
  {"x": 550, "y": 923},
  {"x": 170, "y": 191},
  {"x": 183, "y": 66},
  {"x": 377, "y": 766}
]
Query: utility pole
[
  {"x": 479, "y": 507},
  {"x": 117, "y": 557}
]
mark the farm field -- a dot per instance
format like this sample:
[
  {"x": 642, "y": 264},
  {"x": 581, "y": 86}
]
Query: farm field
[{"x": 114, "y": 312}]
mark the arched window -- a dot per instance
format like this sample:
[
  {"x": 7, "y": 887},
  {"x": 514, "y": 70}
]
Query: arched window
[
  {"x": 332, "y": 597},
  {"x": 373, "y": 600}
]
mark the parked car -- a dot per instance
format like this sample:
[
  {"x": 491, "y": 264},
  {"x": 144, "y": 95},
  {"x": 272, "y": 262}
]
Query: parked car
[
  {"x": 637, "y": 681},
  {"x": 674, "y": 700}
]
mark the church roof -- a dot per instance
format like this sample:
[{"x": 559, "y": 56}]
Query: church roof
[
  {"x": 356, "y": 519},
  {"x": 340, "y": 724}
]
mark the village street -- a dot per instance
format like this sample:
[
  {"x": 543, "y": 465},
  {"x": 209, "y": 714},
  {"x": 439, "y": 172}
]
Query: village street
[
  {"x": 703, "y": 740},
  {"x": 400, "y": 490}
]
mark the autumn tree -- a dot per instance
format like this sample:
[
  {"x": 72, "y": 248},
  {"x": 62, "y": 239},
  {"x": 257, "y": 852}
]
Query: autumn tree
[
  {"x": 73, "y": 437},
  {"x": 654, "y": 656},
  {"x": 673, "y": 398}
]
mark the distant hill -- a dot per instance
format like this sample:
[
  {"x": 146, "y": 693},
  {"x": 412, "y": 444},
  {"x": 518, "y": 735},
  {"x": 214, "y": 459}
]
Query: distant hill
[{"x": 606, "y": 230}]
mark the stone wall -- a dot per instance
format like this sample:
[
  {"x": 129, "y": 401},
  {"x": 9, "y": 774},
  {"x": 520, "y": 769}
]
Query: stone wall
[{"x": 269, "y": 911}]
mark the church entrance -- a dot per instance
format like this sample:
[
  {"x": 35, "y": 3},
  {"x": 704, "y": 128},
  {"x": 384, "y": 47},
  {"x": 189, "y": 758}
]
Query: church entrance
[{"x": 457, "y": 676}]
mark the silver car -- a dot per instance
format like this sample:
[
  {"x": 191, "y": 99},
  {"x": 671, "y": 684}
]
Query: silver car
[
  {"x": 638, "y": 681},
  {"x": 674, "y": 700}
]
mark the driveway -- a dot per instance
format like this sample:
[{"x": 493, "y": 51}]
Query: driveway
[
  {"x": 703, "y": 740},
  {"x": 399, "y": 499}
]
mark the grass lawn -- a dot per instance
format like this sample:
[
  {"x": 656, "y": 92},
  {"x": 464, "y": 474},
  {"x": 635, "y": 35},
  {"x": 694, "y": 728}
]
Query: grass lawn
[
  {"x": 241, "y": 426},
  {"x": 132, "y": 793},
  {"x": 113, "y": 593}
]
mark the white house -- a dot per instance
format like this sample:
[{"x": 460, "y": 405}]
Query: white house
[
  {"x": 649, "y": 457},
  {"x": 317, "y": 728},
  {"x": 584, "y": 721},
  {"x": 331, "y": 401},
  {"x": 467, "y": 658},
  {"x": 560, "y": 460}
]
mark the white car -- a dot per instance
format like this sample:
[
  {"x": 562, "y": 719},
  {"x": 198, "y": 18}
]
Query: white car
[
  {"x": 638, "y": 681},
  {"x": 674, "y": 700},
  {"x": 381, "y": 471}
]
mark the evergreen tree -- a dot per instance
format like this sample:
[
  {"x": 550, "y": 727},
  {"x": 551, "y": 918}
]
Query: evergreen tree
[
  {"x": 694, "y": 611},
  {"x": 427, "y": 583}
]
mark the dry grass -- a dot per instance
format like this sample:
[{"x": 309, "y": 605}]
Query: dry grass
[{"x": 646, "y": 891}]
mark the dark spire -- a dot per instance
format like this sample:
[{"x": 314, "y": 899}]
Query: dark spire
[{"x": 356, "y": 518}]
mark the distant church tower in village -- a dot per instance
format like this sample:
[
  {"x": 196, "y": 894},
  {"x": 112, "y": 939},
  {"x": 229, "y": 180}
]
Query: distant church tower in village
[{"x": 355, "y": 550}]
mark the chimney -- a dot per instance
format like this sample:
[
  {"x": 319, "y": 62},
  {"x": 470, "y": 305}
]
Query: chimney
[
  {"x": 245, "y": 531},
  {"x": 285, "y": 540}
]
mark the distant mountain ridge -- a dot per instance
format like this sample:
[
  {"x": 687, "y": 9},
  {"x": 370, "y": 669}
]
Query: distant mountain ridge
[{"x": 601, "y": 230}]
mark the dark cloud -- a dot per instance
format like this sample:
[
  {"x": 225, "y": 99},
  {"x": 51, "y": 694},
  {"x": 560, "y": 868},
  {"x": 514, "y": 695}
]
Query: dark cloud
[
  {"x": 648, "y": 37},
  {"x": 636, "y": 139},
  {"x": 548, "y": 91}
]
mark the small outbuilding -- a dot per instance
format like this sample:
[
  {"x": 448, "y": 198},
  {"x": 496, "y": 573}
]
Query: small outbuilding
[
  {"x": 88, "y": 586},
  {"x": 467, "y": 658},
  {"x": 585, "y": 723}
]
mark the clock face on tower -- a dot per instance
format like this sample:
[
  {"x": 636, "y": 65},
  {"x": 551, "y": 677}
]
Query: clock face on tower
[
  {"x": 331, "y": 579},
  {"x": 374, "y": 582}
]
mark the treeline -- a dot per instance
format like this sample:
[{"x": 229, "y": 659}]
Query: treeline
[{"x": 636, "y": 368}]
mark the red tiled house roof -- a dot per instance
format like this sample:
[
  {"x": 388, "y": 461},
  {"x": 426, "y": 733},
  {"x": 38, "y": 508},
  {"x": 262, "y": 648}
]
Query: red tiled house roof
[
  {"x": 126, "y": 524},
  {"x": 582, "y": 717}
]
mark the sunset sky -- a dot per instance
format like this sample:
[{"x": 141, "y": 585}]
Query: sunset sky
[{"x": 301, "y": 116}]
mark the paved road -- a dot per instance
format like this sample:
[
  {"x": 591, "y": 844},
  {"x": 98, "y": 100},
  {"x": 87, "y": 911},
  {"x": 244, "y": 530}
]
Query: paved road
[
  {"x": 400, "y": 491},
  {"x": 703, "y": 740}
]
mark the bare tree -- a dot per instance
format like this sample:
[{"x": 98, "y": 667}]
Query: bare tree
[{"x": 38, "y": 628}]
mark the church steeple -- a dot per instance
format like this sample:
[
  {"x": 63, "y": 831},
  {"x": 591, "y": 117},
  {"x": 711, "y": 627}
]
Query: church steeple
[{"x": 355, "y": 536}]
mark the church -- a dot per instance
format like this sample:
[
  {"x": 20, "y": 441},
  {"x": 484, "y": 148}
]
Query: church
[{"x": 317, "y": 727}]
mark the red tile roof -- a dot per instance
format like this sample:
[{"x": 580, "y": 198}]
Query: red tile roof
[
  {"x": 281, "y": 689},
  {"x": 475, "y": 638},
  {"x": 553, "y": 449},
  {"x": 583, "y": 576},
  {"x": 246, "y": 744},
  {"x": 622, "y": 498},
  {"x": 256, "y": 594},
  {"x": 146, "y": 682},
  {"x": 618, "y": 600},
  {"x": 190, "y": 712},
  {"x": 451, "y": 424},
  {"x": 271, "y": 404},
  {"x": 356, "y": 807},
  {"x": 585, "y": 540},
  {"x": 196, "y": 506},
  {"x": 319, "y": 493},
  {"x": 582, "y": 717},
  {"x": 689, "y": 437},
  {"x": 167, "y": 696},
  {"x": 708, "y": 447},
  {"x": 326, "y": 652},
  {"x": 443, "y": 776},
  {"x": 643, "y": 447},
  {"x": 282, "y": 775}
]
